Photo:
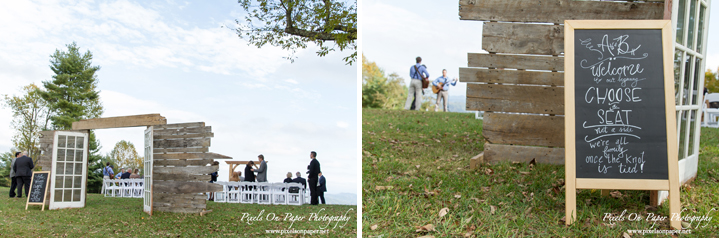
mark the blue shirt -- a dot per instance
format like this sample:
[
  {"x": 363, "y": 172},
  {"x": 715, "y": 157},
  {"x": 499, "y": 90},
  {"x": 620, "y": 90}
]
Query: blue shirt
[
  {"x": 107, "y": 171},
  {"x": 422, "y": 70},
  {"x": 444, "y": 81}
]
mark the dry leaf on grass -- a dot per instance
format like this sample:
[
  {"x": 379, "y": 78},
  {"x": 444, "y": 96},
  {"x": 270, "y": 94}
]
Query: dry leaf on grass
[
  {"x": 443, "y": 211},
  {"x": 625, "y": 235},
  {"x": 492, "y": 209},
  {"x": 468, "y": 234},
  {"x": 373, "y": 227},
  {"x": 457, "y": 196},
  {"x": 525, "y": 173},
  {"x": 417, "y": 166},
  {"x": 426, "y": 228},
  {"x": 427, "y": 236},
  {"x": 488, "y": 171},
  {"x": 379, "y": 188},
  {"x": 616, "y": 194}
]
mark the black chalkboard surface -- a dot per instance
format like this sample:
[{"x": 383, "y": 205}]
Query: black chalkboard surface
[
  {"x": 620, "y": 104},
  {"x": 38, "y": 187}
]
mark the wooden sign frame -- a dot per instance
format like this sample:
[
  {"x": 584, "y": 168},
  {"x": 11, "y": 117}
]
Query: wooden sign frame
[
  {"x": 572, "y": 182},
  {"x": 46, "y": 187}
]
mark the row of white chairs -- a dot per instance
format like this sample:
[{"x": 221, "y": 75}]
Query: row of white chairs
[
  {"x": 128, "y": 188},
  {"x": 262, "y": 193}
]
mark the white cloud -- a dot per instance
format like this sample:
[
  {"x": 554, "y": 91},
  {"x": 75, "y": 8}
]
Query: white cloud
[
  {"x": 342, "y": 124},
  {"x": 292, "y": 81}
]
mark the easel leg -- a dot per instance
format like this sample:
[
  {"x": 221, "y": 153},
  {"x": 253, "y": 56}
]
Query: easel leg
[
  {"x": 675, "y": 207},
  {"x": 570, "y": 204}
]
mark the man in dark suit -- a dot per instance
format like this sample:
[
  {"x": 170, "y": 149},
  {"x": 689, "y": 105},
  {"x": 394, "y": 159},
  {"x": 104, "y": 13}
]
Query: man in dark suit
[
  {"x": 299, "y": 179},
  {"x": 23, "y": 170},
  {"x": 314, "y": 168},
  {"x": 322, "y": 188},
  {"x": 13, "y": 181}
]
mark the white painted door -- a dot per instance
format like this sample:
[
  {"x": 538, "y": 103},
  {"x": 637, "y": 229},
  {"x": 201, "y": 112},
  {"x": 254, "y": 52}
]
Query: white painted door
[
  {"x": 147, "y": 196},
  {"x": 69, "y": 175}
]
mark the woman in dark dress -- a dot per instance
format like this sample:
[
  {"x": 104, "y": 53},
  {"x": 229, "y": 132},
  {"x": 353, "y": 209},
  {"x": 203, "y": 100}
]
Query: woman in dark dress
[{"x": 249, "y": 175}]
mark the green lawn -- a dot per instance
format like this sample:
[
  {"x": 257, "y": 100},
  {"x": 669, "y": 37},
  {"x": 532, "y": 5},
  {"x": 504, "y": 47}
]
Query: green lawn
[
  {"x": 123, "y": 217},
  {"x": 416, "y": 164}
]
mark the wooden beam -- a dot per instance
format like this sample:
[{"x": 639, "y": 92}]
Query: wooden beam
[
  {"x": 242, "y": 162},
  {"x": 185, "y": 136},
  {"x": 556, "y": 11},
  {"x": 513, "y": 98},
  {"x": 531, "y": 62},
  {"x": 183, "y": 187},
  {"x": 177, "y": 209},
  {"x": 181, "y": 143},
  {"x": 181, "y": 162},
  {"x": 185, "y": 170},
  {"x": 518, "y": 129},
  {"x": 517, "y": 38},
  {"x": 190, "y": 156},
  {"x": 479, "y": 75},
  {"x": 157, "y": 151},
  {"x": 476, "y": 160},
  {"x": 182, "y": 177},
  {"x": 496, "y": 152},
  {"x": 118, "y": 122},
  {"x": 181, "y": 131},
  {"x": 179, "y": 125}
]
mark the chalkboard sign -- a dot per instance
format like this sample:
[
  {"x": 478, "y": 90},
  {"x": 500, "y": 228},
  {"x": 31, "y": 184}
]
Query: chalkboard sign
[
  {"x": 619, "y": 104},
  {"x": 620, "y": 120},
  {"x": 38, "y": 188}
]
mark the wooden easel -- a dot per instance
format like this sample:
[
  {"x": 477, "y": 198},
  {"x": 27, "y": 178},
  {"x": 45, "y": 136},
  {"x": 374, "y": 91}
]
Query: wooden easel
[
  {"x": 572, "y": 182},
  {"x": 45, "y": 195}
]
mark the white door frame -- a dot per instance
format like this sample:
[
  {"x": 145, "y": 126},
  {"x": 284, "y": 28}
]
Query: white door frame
[
  {"x": 147, "y": 163},
  {"x": 83, "y": 175}
]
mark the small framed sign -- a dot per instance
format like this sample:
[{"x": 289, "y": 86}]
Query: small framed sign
[
  {"x": 38, "y": 189},
  {"x": 620, "y": 120}
]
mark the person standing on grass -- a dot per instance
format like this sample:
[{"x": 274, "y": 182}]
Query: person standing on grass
[
  {"x": 443, "y": 93},
  {"x": 262, "y": 170},
  {"x": 417, "y": 73},
  {"x": 249, "y": 175},
  {"x": 321, "y": 187},
  {"x": 107, "y": 172},
  {"x": 13, "y": 181},
  {"x": 314, "y": 170},
  {"x": 23, "y": 170}
]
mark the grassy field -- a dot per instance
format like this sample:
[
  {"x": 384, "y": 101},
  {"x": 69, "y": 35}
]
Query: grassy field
[
  {"x": 416, "y": 181},
  {"x": 123, "y": 217}
]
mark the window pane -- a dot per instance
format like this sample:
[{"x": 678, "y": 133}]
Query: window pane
[
  {"x": 700, "y": 34},
  {"x": 79, "y": 142},
  {"x": 60, "y": 168},
  {"x": 69, "y": 168},
  {"x": 70, "y": 155},
  {"x": 691, "y": 132},
  {"x": 697, "y": 75},
  {"x": 70, "y": 142},
  {"x": 76, "y": 195},
  {"x": 67, "y": 196},
  {"x": 77, "y": 182},
  {"x": 60, "y": 154},
  {"x": 692, "y": 16},
  {"x": 78, "y": 155},
  {"x": 68, "y": 182},
  {"x": 687, "y": 79},
  {"x": 78, "y": 168},
  {"x": 61, "y": 141},
  {"x": 680, "y": 22},
  {"x": 682, "y": 134},
  {"x": 58, "y": 182},
  {"x": 677, "y": 74},
  {"x": 58, "y": 195}
]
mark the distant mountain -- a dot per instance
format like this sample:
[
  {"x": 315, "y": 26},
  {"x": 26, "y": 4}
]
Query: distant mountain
[{"x": 341, "y": 198}]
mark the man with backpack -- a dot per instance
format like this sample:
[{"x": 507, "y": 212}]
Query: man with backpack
[
  {"x": 419, "y": 74},
  {"x": 107, "y": 172}
]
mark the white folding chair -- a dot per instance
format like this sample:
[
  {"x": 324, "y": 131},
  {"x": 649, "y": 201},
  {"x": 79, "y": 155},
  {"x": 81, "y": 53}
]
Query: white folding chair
[
  {"x": 233, "y": 192},
  {"x": 264, "y": 193},
  {"x": 221, "y": 196},
  {"x": 107, "y": 188},
  {"x": 294, "y": 194},
  {"x": 279, "y": 193},
  {"x": 137, "y": 188},
  {"x": 127, "y": 190},
  {"x": 247, "y": 192}
]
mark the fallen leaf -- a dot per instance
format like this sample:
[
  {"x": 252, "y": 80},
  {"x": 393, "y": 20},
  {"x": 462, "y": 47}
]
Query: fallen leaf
[
  {"x": 468, "y": 234},
  {"x": 625, "y": 235},
  {"x": 379, "y": 188},
  {"x": 417, "y": 166},
  {"x": 373, "y": 227},
  {"x": 443, "y": 211},
  {"x": 528, "y": 210},
  {"x": 616, "y": 194},
  {"x": 525, "y": 173},
  {"x": 426, "y": 228},
  {"x": 488, "y": 171},
  {"x": 457, "y": 196},
  {"x": 492, "y": 209}
]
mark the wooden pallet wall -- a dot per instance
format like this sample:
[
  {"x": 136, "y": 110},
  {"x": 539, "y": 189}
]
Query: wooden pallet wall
[
  {"x": 520, "y": 83},
  {"x": 182, "y": 166}
]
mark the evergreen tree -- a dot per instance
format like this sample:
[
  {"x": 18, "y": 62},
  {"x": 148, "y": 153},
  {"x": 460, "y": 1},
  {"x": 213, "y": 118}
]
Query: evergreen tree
[{"x": 72, "y": 96}]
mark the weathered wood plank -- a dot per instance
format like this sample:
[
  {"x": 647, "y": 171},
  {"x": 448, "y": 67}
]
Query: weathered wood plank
[
  {"x": 185, "y": 136},
  {"x": 182, "y": 177},
  {"x": 556, "y": 11},
  {"x": 183, "y": 162},
  {"x": 184, "y": 187},
  {"x": 517, "y": 129},
  {"x": 479, "y": 75},
  {"x": 179, "y": 204},
  {"x": 517, "y": 38},
  {"x": 185, "y": 170},
  {"x": 179, "y": 150},
  {"x": 531, "y": 62},
  {"x": 513, "y": 98},
  {"x": 181, "y": 131},
  {"x": 179, "y": 125},
  {"x": 118, "y": 122},
  {"x": 495, "y": 152},
  {"x": 190, "y": 156},
  {"x": 177, "y": 209},
  {"x": 165, "y": 197},
  {"x": 181, "y": 143}
]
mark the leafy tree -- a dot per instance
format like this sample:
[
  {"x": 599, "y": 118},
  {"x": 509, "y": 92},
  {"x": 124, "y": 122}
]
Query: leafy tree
[
  {"x": 30, "y": 116},
  {"x": 5, "y": 161},
  {"x": 291, "y": 24},
  {"x": 72, "y": 96},
  {"x": 379, "y": 91},
  {"x": 711, "y": 81},
  {"x": 125, "y": 156}
]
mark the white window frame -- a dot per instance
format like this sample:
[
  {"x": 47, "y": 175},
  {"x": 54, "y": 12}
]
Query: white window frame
[{"x": 59, "y": 205}]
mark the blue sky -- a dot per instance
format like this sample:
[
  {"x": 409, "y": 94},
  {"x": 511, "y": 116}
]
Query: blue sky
[
  {"x": 176, "y": 58},
  {"x": 395, "y": 32}
]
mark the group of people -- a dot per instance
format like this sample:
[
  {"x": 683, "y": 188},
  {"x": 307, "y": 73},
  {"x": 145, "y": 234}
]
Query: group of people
[
  {"x": 20, "y": 172},
  {"x": 418, "y": 73},
  {"x": 316, "y": 182},
  {"x": 108, "y": 173}
]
